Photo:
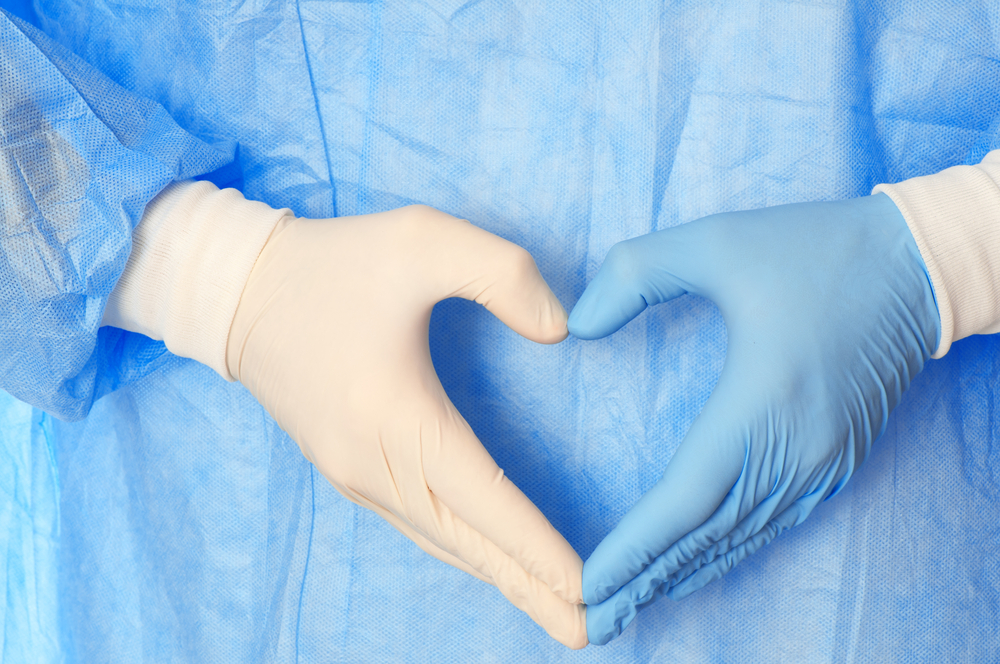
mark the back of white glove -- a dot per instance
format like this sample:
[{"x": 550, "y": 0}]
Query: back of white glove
[{"x": 330, "y": 336}]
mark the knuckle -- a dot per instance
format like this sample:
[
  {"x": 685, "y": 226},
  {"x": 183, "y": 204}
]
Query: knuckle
[
  {"x": 622, "y": 261},
  {"x": 419, "y": 211},
  {"x": 416, "y": 218},
  {"x": 520, "y": 264}
]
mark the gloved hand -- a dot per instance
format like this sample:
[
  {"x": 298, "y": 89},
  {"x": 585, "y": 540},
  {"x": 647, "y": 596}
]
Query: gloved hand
[
  {"x": 330, "y": 336},
  {"x": 829, "y": 313}
]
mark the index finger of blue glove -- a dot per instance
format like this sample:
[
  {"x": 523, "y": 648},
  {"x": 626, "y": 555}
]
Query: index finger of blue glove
[
  {"x": 697, "y": 480},
  {"x": 607, "y": 620}
]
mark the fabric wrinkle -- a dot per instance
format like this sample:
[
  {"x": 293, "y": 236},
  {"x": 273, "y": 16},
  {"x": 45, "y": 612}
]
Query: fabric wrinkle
[{"x": 173, "y": 520}]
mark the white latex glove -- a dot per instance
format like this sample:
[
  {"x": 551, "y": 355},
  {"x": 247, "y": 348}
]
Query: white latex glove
[{"x": 330, "y": 335}]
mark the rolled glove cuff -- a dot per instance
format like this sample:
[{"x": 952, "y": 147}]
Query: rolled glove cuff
[
  {"x": 192, "y": 253},
  {"x": 954, "y": 216}
]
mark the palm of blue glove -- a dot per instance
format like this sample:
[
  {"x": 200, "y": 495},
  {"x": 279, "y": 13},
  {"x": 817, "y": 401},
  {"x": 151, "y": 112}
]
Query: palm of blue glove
[{"x": 830, "y": 314}]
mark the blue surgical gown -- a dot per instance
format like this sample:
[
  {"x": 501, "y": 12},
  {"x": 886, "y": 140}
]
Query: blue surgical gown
[{"x": 156, "y": 513}]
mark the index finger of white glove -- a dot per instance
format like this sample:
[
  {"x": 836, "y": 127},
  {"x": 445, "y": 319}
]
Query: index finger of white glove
[
  {"x": 564, "y": 621},
  {"x": 414, "y": 535},
  {"x": 441, "y": 533},
  {"x": 464, "y": 476}
]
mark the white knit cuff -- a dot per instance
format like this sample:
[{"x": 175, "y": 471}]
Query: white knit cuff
[
  {"x": 954, "y": 216},
  {"x": 192, "y": 253}
]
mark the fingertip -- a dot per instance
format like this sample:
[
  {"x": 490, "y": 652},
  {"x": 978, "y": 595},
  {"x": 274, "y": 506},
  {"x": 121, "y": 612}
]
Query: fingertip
[
  {"x": 553, "y": 324},
  {"x": 576, "y": 323},
  {"x": 586, "y": 636},
  {"x": 596, "y": 587},
  {"x": 598, "y": 631},
  {"x": 605, "y": 621},
  {"x": 554, "y": 335},
  {"x": 520, "y": 297},
  {"x": 606, "y": 306},
  {"x": 583, "y": 322},
  {"x": 571, "y": 589},
  {"x": 622, "y": 555},
  {"x": 578, "y": 640}
]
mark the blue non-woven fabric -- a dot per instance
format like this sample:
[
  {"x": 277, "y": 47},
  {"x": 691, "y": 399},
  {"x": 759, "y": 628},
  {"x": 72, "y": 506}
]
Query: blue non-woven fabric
[
  {"x": 79, "y": 159},
  {"x": 192, "y": 530},
  {"x": 29, "y": 531}
]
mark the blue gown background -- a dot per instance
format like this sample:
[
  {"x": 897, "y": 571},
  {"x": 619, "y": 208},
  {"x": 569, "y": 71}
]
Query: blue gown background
[{"x": 175, "y": 522}]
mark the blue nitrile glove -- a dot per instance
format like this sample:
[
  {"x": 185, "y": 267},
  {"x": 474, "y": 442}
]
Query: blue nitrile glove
[{"x": 830, "y": 315}]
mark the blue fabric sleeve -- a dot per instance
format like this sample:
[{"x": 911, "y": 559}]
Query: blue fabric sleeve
[{"x": 79, "y": 159}]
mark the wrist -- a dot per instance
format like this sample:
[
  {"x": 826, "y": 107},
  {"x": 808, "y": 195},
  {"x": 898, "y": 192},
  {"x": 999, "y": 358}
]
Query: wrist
[
  {"x": 954, "y": 217},
  {"x": 901, "y": 257},
  {"x": 192, "y": 253}
]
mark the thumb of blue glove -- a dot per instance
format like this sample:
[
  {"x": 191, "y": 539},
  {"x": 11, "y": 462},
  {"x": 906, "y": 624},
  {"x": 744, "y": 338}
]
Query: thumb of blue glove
[{"x": 829, "y": 313}]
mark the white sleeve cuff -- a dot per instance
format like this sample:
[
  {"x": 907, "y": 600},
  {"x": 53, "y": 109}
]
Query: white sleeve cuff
[
  {"x": 192, "y": 253},
  {"x": 954, "y": 216}
]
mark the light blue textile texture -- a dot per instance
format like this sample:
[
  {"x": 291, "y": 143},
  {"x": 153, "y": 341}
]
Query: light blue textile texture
[
  {"x": 189, "y": 526},
  {"x": 79, "y": 159}
]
